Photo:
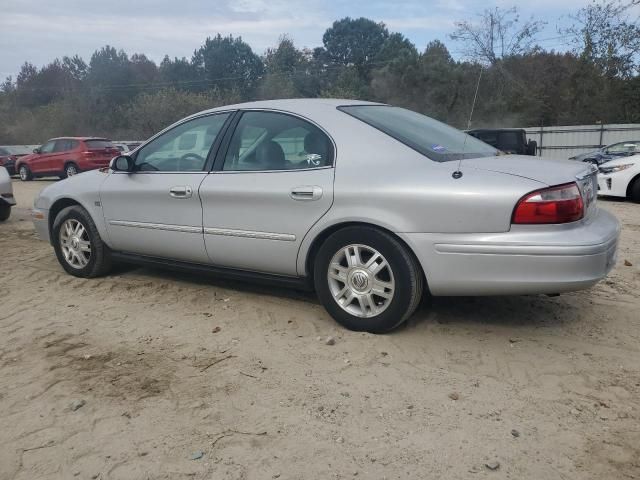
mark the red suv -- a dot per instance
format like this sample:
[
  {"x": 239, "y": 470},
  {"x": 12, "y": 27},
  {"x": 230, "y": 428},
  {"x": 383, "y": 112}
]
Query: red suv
[{"x": 64, "y": 157}]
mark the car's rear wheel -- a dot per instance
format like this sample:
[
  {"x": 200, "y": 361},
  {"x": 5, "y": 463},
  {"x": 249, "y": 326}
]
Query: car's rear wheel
[
  {"x": 25, "y": 173},
  {"x": 5, "y": 211},
  {"x": 78, "y": 245},
  {"x": 70, "y": 169},
  {"x": 367, "y": 280}
]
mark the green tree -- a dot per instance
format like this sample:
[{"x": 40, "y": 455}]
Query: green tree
[{"x": 354, "y": 41}]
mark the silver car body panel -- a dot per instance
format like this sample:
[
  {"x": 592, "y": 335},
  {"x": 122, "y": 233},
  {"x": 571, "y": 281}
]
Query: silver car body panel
[
  {"x": 6, "y": 189},
  {"x": 459, "y": 229}
]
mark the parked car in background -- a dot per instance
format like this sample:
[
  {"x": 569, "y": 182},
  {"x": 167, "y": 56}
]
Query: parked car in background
[
  {"x": 508, "y": 140},
  {"x": 369, "y": 204},
  {"x": 66, "y": 156},
  {"x": 10, "y": 153},
  {"x": 620, "y": 178},
  {"x": 126, "y": 147},
  {"x": 610, "y": 152},
  {"x": 6, "y": 195}
]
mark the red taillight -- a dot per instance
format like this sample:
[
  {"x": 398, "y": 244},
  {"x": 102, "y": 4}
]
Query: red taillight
[{"x": 561, "y": 204}]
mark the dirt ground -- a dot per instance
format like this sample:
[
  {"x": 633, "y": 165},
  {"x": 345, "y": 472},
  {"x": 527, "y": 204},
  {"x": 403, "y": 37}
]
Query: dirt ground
[{"x": 196, "y": 378}]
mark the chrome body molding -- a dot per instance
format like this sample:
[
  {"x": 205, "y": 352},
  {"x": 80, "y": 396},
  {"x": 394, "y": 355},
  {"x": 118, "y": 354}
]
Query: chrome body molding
[
  {"x": 157, "y": 226},
  {"x": 228, "y": 232}
]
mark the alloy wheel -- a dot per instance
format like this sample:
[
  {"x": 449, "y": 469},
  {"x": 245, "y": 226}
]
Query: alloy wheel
[
  {"x": 24, "y": 174},
  {"x": 75, "y": 243},
  {"x": 71, "y": 170},
  {"x": 361, "y": 280}
]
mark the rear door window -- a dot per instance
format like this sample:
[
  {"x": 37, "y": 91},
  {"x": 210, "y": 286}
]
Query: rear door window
[{"x": 98, "y": 144}]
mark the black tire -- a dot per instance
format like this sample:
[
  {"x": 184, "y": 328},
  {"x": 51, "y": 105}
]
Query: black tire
[
  {"x": 634, "y": 191},
  {"x": 25, "y": 173},
  {"x": 70, "y": 169},
  {"x": 406, "y": 273},
  {"x": 100, "y": 259},
  {"x": 5, "y": 211}
]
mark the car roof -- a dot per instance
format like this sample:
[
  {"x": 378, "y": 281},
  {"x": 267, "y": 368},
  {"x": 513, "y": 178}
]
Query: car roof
[
  {"x": 79, "y": 138},
  {"x": 294, "y": 105}
]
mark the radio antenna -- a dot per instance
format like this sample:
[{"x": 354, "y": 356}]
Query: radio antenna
[{"x": 458, "y": 173}]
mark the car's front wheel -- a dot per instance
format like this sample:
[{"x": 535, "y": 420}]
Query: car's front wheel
[
  {"x": 25, "y": 173},
  {"x": 5, "y": 211},
  {"x": 367, "y": 280},
  {"x": 78, "y": 245}
]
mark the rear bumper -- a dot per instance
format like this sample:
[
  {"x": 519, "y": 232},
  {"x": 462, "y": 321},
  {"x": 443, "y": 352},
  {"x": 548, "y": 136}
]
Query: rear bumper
[{"x": 525, "y": 260}]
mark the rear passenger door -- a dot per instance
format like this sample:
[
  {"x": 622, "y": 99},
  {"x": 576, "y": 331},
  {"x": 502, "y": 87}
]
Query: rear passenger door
[
  {"x": 55, "y": 161},
  {"x": 272, "y": 181}
]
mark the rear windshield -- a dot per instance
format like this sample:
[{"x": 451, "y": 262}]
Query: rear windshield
[
  {"x": 99, "y": 144},
  {"x": 434, "y": 139}
]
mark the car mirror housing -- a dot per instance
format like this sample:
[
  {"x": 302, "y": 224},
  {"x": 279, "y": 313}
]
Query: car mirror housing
[
  {"x": 36, "y": 150},
  {"x": 122, "y": 163}
]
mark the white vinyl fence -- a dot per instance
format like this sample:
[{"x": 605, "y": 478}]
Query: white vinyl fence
[{"x": 565, "y": 142}]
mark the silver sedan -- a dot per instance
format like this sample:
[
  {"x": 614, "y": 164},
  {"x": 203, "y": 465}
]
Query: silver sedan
[
  {"x": 371, "y": 205},
  {"x": 7, "y": 199}
]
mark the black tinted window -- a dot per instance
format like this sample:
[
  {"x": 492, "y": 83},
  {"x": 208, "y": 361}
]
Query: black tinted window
[
  {"x": 432, "y": 138},
  {"x": 98, "y": 144},
  {"x": 276, "y": 141}
]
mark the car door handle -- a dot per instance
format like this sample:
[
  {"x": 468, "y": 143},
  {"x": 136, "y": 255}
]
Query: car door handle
[
  {"x": 308, "y": 193},
  {"x": 181, "y": 192}
]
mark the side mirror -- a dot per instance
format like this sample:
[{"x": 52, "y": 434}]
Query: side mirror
[
  {"x": 37, "y": 150},
  {"x": 122, "y": 163}
]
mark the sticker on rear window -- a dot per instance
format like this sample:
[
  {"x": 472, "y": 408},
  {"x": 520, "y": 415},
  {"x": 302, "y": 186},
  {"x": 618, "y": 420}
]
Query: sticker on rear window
[{"x": 438, "y": 148}]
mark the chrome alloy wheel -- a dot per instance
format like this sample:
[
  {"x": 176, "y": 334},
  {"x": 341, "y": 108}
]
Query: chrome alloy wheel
[
  {"x": 71, "y": 170},
  {"x": 361, "y": 280},
  {"x": 24, "y": 173},
  {"x": 75, "y": 243}
]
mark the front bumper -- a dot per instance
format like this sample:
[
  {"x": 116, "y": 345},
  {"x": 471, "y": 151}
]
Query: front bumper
[
  {"x": 40, "y": 218},
  {"x": 528, "y": 259},
  {"x": 613, "y": 184}
]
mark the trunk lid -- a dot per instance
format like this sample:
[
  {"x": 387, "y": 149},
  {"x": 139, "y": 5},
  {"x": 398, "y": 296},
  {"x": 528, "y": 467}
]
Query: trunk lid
[{"x": 544, "y": 170}]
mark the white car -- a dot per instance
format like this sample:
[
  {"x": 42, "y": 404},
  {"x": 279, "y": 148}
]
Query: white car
[
  {"x": 6, "y": 195},
  {"x": 620, "y": 178}
]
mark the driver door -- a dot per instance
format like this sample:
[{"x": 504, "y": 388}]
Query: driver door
[{"x": 156, "y": 210}]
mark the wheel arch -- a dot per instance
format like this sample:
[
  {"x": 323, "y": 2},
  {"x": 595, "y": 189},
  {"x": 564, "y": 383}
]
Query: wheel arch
[
  {"x": 631, "y": 184},
  {"x": 329, "y": 230},
  {"x": 57, "y": 206}
]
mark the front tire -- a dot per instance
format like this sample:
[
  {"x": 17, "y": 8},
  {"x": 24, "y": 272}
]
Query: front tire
[
  {"x": 78, "y": 245},
  {"x": 25, "y": 173},
  {"x": 5, "y": 211},
  {"x": 634, "y": 191},
  {"x": 367, "y": 280}
]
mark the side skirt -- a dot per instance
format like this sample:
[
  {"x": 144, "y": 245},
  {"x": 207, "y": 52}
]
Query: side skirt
[{"x": 299, "y": 283}]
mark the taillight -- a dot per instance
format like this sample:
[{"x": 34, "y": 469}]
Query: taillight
[{"x": 560, "y": 204}]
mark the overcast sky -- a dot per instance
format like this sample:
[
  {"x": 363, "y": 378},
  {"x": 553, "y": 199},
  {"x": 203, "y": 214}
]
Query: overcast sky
[{"x": 39, "y": 31}]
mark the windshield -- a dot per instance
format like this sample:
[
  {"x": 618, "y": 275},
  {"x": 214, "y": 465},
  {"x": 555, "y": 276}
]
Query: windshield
[{"x": 434, "y": 139}]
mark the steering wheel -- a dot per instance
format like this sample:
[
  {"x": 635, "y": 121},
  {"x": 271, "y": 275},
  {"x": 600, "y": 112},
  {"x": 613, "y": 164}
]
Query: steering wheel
[{"x": 191, "y": 157}]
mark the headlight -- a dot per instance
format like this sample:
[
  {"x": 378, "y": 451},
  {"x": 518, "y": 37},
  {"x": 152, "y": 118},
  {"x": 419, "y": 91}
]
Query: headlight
[{"x": 617, "y": 168}]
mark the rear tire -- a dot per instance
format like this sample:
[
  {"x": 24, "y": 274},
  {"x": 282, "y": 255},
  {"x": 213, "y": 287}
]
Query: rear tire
[
  {"x": 367, "y": 280},
  {"x": 78, "y": 245},
  {"x": 5, "y": 211},
  {"x": 25, "y": 173},
  {"x": 634, "y": 191},
  {"x": 70, "y": 169}
]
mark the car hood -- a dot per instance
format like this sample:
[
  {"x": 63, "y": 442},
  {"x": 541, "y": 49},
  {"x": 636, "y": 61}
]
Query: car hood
[
  {"x": 544, "y": 170},
  {"x": 27, "y": 157},
  {"x": 635, "y": 159}
]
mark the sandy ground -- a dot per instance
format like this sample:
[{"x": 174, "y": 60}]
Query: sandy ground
[{"x": 176, "y": 367}]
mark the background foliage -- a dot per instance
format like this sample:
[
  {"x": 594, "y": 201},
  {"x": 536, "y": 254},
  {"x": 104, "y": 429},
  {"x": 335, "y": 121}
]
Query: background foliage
[{"x": 128, "y": 96}]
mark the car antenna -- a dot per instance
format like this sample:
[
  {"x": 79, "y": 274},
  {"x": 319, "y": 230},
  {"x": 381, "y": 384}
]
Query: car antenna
[{"x": 458, "y": 173}]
